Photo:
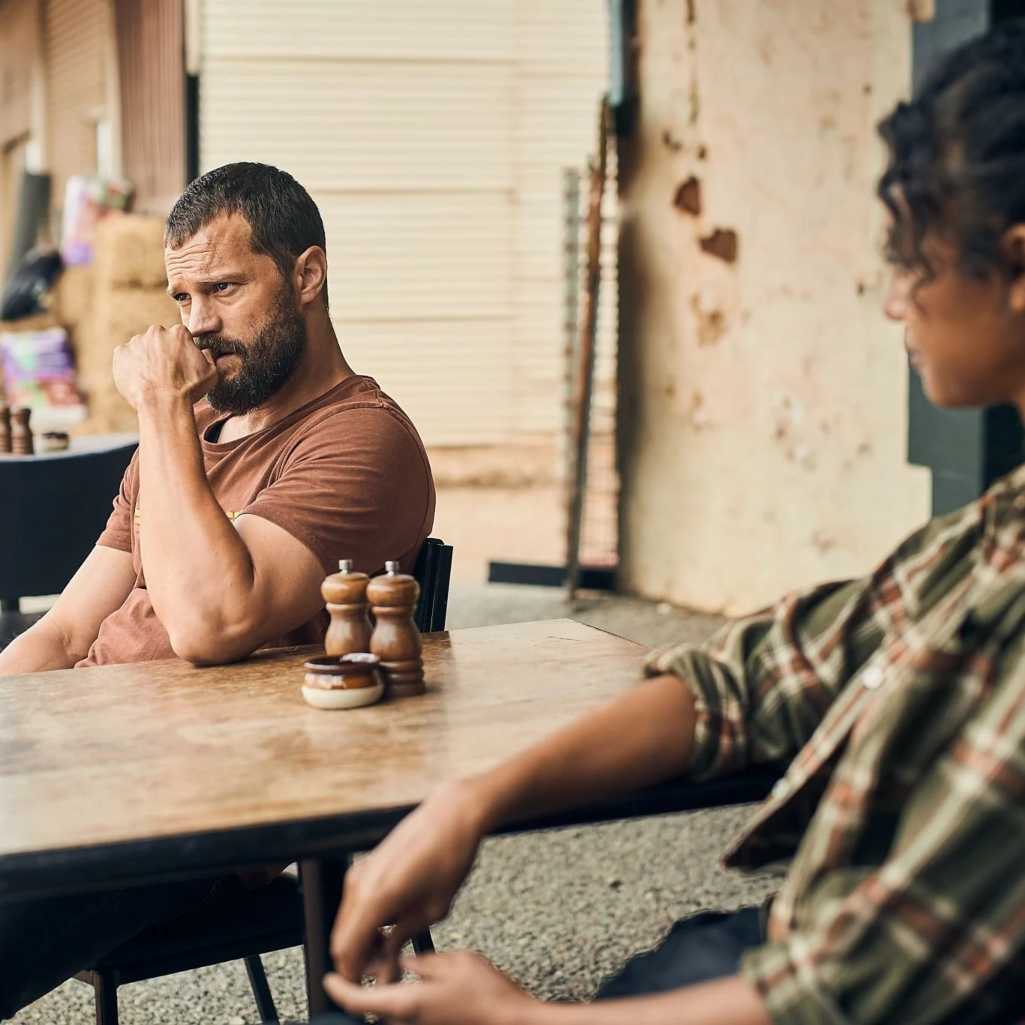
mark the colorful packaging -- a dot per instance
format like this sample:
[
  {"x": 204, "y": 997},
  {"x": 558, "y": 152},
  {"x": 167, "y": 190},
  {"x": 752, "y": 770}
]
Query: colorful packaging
[
  {"x": 86, "y": 200},
  {"x": 38, "y": 371}
]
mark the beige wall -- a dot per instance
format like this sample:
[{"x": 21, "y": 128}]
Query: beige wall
[{"x": 763, "y": 399}]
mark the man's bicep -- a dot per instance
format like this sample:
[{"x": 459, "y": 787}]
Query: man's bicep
[
  {"x": 99, "y": 588},
  {"x": 286, "y": 577}
]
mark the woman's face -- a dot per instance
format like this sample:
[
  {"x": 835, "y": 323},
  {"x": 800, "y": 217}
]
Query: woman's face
[{"x": 964, "y": 336}]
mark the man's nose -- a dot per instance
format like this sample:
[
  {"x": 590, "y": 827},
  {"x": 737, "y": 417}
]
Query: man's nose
[{"x": 203, "y": 318}]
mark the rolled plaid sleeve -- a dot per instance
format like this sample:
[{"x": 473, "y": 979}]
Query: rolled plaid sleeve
[
  {"x": 764, "y": 683},
  {"x": 936, "y": 932}
]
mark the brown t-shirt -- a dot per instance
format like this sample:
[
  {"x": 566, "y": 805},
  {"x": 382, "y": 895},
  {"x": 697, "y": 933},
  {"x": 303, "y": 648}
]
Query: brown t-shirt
[{"x": 346, "y": 474}]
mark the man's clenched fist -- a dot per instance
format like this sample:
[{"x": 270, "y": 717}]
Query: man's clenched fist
[{"x": 161, "y": 363}]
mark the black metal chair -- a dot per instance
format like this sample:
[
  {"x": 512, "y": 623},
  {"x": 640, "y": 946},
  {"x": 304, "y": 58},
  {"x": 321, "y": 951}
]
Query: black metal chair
[
  {"x": 54, "y": 508},
  {"x": 256, "y": 921}
]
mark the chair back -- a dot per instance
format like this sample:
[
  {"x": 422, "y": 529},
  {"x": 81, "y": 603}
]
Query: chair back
[
  {"x": 53, "y": 510},
  {"x": 433, "y": 572}
]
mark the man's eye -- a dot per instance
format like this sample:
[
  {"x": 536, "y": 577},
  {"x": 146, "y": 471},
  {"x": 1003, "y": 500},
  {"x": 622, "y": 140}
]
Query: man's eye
[
  {"x": 180, "y": 297},
  {"x": 223, "y": 286}
]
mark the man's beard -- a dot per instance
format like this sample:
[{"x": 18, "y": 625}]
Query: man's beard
[{"x": 267, "y": 361}]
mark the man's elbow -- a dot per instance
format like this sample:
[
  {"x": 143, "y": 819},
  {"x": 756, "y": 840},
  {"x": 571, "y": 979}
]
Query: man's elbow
[{"x": 204, "y": 643}]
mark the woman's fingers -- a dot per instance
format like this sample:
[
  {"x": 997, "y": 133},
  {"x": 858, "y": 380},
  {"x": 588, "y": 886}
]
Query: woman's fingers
[{"x": 395, "y": 1002}]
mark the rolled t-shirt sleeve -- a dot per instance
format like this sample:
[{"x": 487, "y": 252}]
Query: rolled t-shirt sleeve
[
  {"x": 118, "y": 531},
  {"x": 356, "y": 486}
]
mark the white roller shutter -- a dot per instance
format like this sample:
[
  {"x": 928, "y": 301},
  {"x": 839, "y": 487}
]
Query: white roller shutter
[
  {"x": 78, "y": 46},
  {"x": 433, "y": 137}
]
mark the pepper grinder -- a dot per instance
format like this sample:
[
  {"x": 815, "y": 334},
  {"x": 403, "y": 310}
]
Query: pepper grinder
[
  {"x": 21, "y": 433},
  {"x": 396, "y": 640},
  {"x": 345, "y": 593},
  {"x": 5, "y": 427}
]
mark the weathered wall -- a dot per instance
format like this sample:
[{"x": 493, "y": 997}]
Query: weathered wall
[{"x": 763, "y": 396}]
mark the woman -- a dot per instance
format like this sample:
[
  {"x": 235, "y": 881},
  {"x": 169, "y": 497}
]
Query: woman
[{"x": 898, "y": 700}]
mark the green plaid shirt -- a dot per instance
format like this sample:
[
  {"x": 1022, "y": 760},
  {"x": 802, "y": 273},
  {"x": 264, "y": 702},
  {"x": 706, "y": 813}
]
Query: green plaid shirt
[{"x": 898, "y": 702}]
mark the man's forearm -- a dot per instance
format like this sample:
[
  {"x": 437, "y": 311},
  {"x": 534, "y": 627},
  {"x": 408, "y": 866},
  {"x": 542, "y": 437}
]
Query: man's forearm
[
  {"x": 198, "y": 570},
  {"x": 42, "y": 647},
  {"x": 730, "y": 1001},
  {"x": 639, "y": 738}
]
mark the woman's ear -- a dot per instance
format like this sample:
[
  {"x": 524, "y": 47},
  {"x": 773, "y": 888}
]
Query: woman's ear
[{"x": 1014, "y": 252}]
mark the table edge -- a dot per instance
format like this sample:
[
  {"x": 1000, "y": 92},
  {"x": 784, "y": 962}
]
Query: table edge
[{"x": 77, "y": 869}]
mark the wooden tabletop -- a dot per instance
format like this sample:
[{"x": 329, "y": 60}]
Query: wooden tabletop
[{"x": 147, "y": 763}]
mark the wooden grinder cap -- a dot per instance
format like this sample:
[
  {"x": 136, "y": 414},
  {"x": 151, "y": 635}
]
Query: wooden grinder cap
[
  {"x": 393, "y": 588},
  {"x": 345, "y": 587}
]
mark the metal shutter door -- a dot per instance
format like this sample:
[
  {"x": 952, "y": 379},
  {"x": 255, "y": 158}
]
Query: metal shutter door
[
  {"x": 77, "y": 49},
  {"x": 432, "y": 135}
]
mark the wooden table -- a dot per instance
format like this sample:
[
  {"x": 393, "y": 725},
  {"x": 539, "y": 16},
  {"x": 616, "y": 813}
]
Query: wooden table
[{"x": 159, "y": 770}]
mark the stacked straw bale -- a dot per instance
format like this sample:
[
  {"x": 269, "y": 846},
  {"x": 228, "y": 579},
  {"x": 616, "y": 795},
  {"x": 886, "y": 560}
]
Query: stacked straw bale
[{"x": 121, "y": 294}]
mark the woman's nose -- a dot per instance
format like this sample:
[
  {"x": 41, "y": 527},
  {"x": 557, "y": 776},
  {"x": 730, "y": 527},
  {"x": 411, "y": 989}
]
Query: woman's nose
[{"x": 897, "y": 292}]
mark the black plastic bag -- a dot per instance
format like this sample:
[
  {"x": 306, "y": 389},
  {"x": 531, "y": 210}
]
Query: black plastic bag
[{"x": 30, "y": 280}]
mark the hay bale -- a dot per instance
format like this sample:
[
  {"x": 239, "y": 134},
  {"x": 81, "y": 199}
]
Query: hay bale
[
  {"x": 108, "y": 411},
  {"x": 37, "y": 322},
  {"x": 119, "y": 313},
  {"x": 130, "y": 251},
  {"x": 71, "y": 300}
]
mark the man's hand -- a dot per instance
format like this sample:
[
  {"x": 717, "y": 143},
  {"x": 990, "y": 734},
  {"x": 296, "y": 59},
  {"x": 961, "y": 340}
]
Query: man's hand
[
  {"x": 455, "y": 989},
  {"x": 163, "y": 362},
  {"x": 410, "y": 879}
]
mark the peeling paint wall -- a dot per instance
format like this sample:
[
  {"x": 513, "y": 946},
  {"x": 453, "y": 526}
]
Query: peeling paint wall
[{"x": 763, "y": 396}]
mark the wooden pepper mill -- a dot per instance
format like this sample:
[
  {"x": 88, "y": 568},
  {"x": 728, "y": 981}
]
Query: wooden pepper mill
[
  {"x": 396, "y": 640},
  {"x": 345, "y": 593},
  {"x": 5, "y": 427},
  {"x": 21, "y": 433}
]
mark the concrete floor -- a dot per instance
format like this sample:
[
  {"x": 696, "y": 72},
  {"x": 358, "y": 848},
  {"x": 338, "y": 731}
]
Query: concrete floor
[{"x": 557, "y": 910}]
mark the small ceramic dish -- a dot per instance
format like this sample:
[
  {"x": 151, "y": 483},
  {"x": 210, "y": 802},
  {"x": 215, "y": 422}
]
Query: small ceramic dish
[
  {"x": 343, "y": 681},
  {"x": 52, "y": 441}
]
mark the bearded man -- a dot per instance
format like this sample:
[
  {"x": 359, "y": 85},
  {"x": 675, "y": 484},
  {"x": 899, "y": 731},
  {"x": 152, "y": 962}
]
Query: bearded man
[{"x": 263, "y": 458}]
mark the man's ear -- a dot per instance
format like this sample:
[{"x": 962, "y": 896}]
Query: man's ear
[
  {"x": 1014, "y": 251},
  {"x": 311, "y": 273}
]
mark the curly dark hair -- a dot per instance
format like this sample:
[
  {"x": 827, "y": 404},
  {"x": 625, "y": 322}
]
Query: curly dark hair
[
  {"x": 957, "y": 157},
  {"x": 282, "y": 217}
]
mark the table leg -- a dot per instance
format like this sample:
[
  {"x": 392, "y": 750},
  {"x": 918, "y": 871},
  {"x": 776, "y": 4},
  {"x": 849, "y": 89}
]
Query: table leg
[{"x": 321, "y": 880}]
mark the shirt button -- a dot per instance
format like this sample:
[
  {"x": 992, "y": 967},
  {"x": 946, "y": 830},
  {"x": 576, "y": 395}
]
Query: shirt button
[
  {"x": 780, "y": 789},
  {"x": 872, "y": 678}
]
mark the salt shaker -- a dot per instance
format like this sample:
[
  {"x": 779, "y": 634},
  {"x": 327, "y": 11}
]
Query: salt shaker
[
  {"x": 21, "y": 433},
  {"x": 345, "y": 593}
]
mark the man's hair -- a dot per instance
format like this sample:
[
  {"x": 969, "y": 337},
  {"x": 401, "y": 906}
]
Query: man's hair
[
  {"x": 957, "y": 156},
  {"x": 283, "y": 220}
]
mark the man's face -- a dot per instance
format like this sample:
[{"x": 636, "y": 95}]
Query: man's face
[{"x": 236, "y": 304}]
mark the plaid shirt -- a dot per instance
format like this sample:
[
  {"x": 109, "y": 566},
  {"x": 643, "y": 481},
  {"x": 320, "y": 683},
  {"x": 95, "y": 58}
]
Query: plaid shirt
[{"x": 898, "y": 701}]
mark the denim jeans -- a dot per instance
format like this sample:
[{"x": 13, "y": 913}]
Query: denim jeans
[
  {"x": 700, "y": 948},
  {"x": 44, "y": 942}
]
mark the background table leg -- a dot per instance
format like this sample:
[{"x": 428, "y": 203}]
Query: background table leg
[{"x": 321, "y": 880}]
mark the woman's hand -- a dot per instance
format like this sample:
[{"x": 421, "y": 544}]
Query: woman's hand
[
  {"x": 409, "y": 880},
  {"x": 461, "y": 988}
]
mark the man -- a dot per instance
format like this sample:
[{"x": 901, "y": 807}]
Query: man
[
  {"x": 897, "y": 700},
  {"x": 263, "y": 459}
]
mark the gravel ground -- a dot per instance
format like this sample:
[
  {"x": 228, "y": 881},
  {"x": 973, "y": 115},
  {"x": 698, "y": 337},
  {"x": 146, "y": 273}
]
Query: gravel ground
[{"x": 558, "y": 910}]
